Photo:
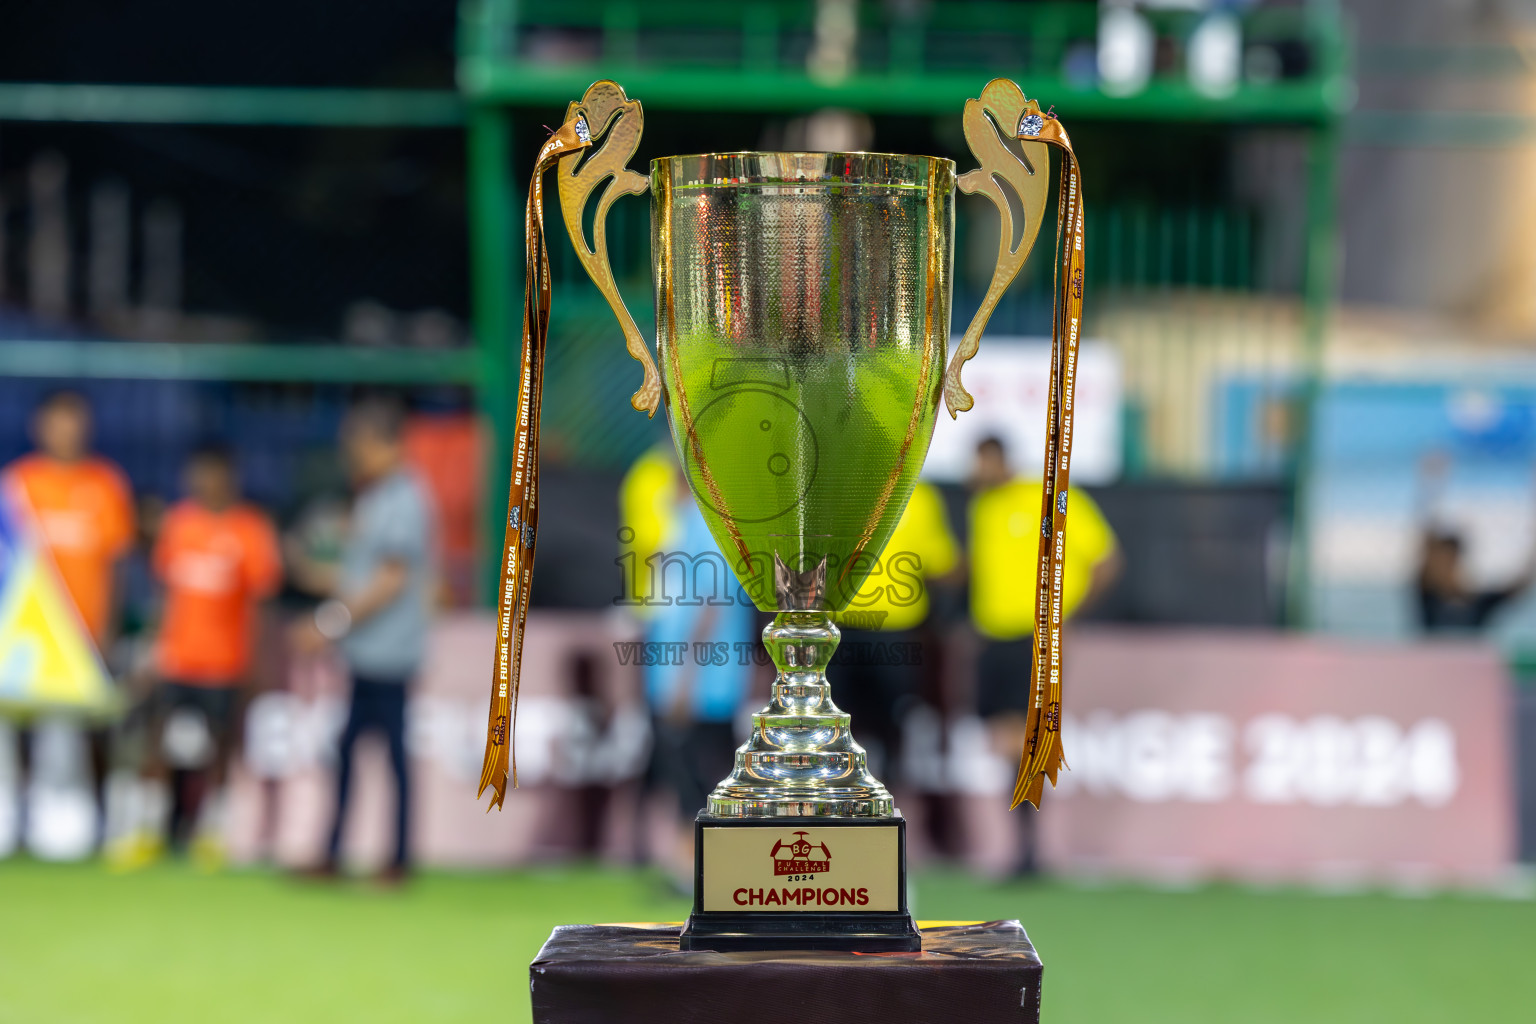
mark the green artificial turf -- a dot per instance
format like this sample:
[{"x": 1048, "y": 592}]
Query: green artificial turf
[{"x": 81, "y": 946}]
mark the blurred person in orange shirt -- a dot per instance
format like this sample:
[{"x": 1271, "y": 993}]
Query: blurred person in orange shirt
[
  {"x": 83, "y": 506},
  {"x": 217, "y": 558}
]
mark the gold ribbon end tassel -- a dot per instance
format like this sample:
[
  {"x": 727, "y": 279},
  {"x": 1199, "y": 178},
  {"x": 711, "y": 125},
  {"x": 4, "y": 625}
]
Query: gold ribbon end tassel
[
  {"x": 1029, "y": 787},
  {"x": 497, "y": 798}
]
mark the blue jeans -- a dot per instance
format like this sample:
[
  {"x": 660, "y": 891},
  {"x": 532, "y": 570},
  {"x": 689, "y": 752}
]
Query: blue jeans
[{"x": 376, "y": 704}]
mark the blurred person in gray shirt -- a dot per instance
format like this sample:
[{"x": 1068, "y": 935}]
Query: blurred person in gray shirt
[{"x": 379, "y": 607}]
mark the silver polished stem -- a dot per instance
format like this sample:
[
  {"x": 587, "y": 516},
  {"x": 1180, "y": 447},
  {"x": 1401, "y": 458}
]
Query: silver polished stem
[{"x": 801, "y": 758}]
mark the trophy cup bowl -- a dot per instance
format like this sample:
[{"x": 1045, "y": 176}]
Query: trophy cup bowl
[
  {"x": 802, "y": 317},
  {"x": 802, "y": 326}
]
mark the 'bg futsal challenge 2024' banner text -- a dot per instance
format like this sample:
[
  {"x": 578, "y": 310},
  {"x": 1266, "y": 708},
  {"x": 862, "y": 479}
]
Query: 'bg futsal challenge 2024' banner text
[{"x": 1266, "y": 756}]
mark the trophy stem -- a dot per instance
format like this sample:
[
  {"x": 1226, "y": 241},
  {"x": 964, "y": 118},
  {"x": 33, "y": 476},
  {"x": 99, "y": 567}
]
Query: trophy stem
[{"x": 801, "y": 759}]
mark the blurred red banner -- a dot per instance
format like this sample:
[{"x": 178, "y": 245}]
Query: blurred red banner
[{"x": 1269, "y": 757}]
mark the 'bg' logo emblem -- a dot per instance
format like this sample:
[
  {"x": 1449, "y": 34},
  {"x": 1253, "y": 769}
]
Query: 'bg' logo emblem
[{"x": 799, "y": 861}]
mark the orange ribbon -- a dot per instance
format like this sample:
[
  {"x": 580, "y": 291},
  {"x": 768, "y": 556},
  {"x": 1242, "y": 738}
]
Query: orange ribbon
[
  {"x": 1042, "y": 756},
  {"x": 523, "y": 493}
]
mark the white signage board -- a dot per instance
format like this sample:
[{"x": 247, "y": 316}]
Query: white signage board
[{"x": 1010, "y": 378}]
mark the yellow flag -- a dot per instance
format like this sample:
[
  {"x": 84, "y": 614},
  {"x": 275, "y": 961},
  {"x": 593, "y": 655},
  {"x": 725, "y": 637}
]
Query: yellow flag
[{"x": 47, "y": 658}]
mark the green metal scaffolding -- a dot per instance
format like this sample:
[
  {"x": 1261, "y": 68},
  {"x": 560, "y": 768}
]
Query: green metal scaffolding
[
  {"x": 515, "y": 59},
  {"x": 750, "y": 58}
]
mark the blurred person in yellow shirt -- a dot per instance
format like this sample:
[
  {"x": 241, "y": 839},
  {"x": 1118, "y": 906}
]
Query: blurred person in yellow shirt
[
  {"x": 648, "y": 499},
  {"x": 879, "y": 666},
  {"x": 1005, "y": 546}
]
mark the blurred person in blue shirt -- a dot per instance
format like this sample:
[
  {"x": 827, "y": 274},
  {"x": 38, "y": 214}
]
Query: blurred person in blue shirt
[
  {"x": 697, "y": 665},
  {"x": 379, "y": 609}
]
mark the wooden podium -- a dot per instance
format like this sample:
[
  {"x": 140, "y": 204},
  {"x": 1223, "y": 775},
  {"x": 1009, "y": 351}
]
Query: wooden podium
[{"x": 598, "y": 974}]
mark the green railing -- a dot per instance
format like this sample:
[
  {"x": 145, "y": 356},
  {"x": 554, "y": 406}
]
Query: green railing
[
  {"x": 231, "y": 105},
  {"x": 520, "y": 63},
  {"x": 753, "y": 56},
  {"x": 524, "y": 62}
]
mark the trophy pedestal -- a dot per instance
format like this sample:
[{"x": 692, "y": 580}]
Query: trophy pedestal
[
  {"x": 813, "y": 883},
  {"x": 599, "y": 974}
]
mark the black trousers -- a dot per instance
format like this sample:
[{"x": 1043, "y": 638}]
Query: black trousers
[
  {"x": 377, "y": 705},
  {"x": 877, "y": 677},
  {"x": 1003, "y": 673},
  {"x": 689, "y": 759}
]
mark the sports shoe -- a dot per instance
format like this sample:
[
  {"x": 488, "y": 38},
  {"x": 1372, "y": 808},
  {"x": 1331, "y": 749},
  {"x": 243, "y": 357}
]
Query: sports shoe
[
  {"x": 208, "y": 853},
  {"x": 134, "y": 852}
]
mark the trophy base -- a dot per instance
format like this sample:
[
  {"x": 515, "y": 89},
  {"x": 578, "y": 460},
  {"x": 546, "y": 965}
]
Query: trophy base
[{"x": 800, "y": 883}]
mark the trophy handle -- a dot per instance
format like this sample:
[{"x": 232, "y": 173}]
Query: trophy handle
[
  {"x": 615, "y": 122},
  {"x": 1012, "y": 175}
]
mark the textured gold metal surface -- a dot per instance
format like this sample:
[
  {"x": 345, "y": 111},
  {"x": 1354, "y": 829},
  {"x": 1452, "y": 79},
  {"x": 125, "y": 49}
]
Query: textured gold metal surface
[
  {"x": 1012, "y": 171},
  {"x": 615, "y": 122}
]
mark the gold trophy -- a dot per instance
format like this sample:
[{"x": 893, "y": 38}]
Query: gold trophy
[{"x": 802, "y": 323}]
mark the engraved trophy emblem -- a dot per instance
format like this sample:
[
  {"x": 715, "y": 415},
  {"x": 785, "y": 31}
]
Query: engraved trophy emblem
[{"x": 802, "y": 329}]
